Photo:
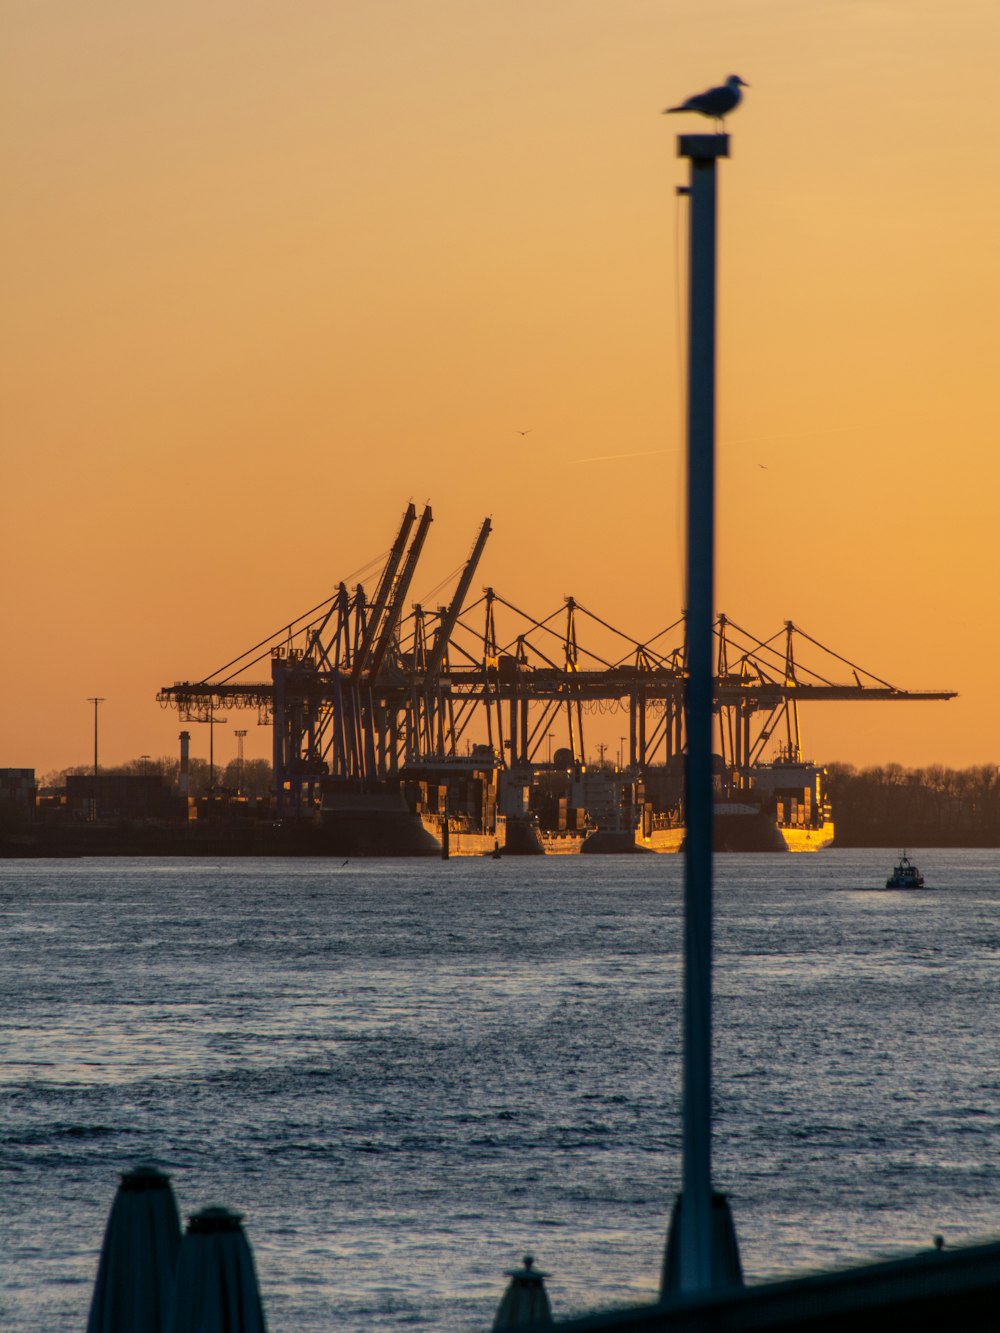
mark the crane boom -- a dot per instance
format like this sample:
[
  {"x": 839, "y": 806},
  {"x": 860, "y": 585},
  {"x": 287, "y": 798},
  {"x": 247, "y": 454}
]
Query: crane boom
[
  {"x": 447, "y": 626},
  {"x": 382, "y": 596},
  {"x": 399, "y": 592}
]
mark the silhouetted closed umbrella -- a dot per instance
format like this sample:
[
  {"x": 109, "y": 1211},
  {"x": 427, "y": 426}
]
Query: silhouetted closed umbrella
[
  {"x": 135, "y": 1275},
  {"x": 215, "y": 1290},
  {"x": 525, "y": 1301}
]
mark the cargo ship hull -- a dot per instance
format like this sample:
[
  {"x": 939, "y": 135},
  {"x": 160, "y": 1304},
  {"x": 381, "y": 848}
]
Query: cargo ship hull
[
  {"x": 746, "y": 828},
  {"x": 510, "y": 837},
  {"x": 455, "y": 838},
  {"x": 374, "y": 824},
  {"x": 668, "y": 839},
  {"x": 452, "y": 809},
  {"x": 807, "y": 838},
  {"x": 562, "y": 843}
]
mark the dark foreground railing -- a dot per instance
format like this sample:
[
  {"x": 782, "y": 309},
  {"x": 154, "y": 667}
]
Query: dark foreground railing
[{"x": 933, "y": 1292}]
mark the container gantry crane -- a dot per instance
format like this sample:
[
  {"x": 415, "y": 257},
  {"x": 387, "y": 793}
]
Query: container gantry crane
[{"x": 360, "y": 689}]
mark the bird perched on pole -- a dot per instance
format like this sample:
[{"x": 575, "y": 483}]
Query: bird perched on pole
[{"x": 716, "y": 103}]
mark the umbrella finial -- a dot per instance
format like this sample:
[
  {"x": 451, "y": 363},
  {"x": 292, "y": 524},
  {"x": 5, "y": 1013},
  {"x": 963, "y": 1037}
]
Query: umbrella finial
[{"x": 525, "y": 1301}]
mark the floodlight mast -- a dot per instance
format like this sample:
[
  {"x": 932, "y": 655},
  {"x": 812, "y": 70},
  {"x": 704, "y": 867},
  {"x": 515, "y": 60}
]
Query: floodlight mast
[{"x": 698, "y": 1268}]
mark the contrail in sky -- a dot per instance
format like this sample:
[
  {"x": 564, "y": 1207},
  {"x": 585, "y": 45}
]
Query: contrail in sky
[{"x": 613, "y": 458}]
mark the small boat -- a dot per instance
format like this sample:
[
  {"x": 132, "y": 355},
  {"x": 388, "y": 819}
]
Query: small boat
[{"x": 905, "y": 875}]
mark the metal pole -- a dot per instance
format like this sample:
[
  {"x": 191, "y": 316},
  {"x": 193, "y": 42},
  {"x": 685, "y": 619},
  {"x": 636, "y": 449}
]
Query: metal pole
[
  {"x": 240, "y": 736},
  {"x": 96, "y": 701},
  {"x": 184, "y": 771},
  {"x": 696, "y": 1213}
]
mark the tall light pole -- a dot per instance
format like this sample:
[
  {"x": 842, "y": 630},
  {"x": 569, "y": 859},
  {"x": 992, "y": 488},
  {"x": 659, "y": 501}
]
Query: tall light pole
[
  {"x": 702, "y": 1237},
  {"x": 213, "y": 722},
  {"x": 211, "y": 748},
  {"x": 96, "y": 700},
  {"x": 240, "y": 737},
  {"x": 551, "y": 734}
]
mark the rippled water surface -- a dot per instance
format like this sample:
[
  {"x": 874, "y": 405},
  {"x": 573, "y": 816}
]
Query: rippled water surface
[{"x": 406, "y": 1074}]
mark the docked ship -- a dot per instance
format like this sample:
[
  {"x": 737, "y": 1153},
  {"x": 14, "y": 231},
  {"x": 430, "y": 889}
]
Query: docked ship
[
  {"x": 772, "y": 807},
  {"x": 794, "y": 793},
  {"x": 444, "y": 806},
  {"x": 565, "y": 814},
  {"x": 471, "y": 806},
  {"x": 590, "y": 809},
  {"x": 372, "y": 823},
  {"x": 602, "y": 810}
]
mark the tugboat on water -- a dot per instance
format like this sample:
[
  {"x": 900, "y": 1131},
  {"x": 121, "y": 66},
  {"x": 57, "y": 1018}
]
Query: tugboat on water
[{"x": 905, "y": 875}]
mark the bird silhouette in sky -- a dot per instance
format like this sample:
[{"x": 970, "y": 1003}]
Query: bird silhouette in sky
[
  {"x": 525, "y": 432},
  {"x": 716, "y": 103}
]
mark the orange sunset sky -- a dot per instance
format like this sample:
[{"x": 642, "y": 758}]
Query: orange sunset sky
[{"x": 273, "y": 269}]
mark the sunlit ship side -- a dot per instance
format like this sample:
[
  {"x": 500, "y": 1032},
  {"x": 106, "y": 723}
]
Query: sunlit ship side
[
  {"x": 796, "y": 792},
  {"x": 775, "y": 807}
]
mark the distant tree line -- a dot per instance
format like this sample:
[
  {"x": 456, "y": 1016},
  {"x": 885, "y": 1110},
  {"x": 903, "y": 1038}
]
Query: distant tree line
[
  {"x": 255, "y": 781},
  {"x": 915, "y": 807}
]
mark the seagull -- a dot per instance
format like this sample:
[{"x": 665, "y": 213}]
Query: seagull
[
  {"x": 525, "y": 432},
  {"x": 716, "y": 103}
]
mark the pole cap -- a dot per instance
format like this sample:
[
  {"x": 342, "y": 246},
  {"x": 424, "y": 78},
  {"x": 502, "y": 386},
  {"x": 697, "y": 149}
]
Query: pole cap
[
  {"x": 213, "y": 1220},
  {"x": 703, "y": 147}
]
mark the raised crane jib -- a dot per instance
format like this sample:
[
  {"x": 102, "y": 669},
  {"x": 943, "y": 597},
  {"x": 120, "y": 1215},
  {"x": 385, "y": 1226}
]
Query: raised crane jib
[
  {"x": 399, "y": 594},
  {"x": 377, "y": 608},
  {"x": 447, "y": 626}
]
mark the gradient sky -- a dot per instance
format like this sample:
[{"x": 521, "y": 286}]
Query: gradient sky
[{"x": 271, "y": 270}]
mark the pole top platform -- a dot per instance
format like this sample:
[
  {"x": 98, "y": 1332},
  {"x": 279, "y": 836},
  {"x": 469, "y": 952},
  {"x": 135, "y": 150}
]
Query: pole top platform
[{"x": 703, "y": 147}]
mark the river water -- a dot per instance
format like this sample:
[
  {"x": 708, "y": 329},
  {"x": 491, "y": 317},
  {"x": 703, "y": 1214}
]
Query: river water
[{"x": 408, "y": 1074}]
